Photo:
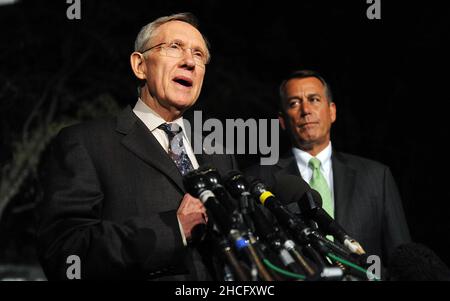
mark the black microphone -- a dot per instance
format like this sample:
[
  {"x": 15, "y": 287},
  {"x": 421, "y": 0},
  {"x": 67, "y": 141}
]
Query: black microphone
[
  {"x": 294, "y": 189},
  {"x": 238, "y": 187},
  {"x": 214, "y": 181},
  {"x": 416, "y": 262},
  {"x": 291, "y": 221},
  {"x": 239, "y": 214},
  {"x": 282, "y": 214},
  {"x": 304, "y": 235},
  {"x": 197, "y": 185},
  {"x": 200, "y": 184}
]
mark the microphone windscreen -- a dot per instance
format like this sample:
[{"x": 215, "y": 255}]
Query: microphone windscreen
[
  {"x": 316, "y": 196},
  {"x": 289, "y": 188},
  {"x": 416, "y": 262},
  {"x": 231, "y": 174}
]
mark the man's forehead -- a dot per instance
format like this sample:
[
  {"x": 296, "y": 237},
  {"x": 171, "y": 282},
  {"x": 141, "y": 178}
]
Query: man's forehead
[
  {"x": 305, "y": 85},
  {"x": 179, "y": 30}
]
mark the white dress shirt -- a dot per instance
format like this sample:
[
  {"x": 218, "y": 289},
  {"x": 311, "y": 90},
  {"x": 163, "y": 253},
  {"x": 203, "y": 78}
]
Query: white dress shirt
[
  {"x": 302, "y": 158},
  {"x": 152, "y": 120}
]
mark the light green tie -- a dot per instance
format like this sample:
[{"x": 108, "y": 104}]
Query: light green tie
[{"x": 319, "y": 183}]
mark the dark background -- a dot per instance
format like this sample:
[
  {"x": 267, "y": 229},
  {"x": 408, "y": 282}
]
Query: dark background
[{"x": 389, "y": 79}]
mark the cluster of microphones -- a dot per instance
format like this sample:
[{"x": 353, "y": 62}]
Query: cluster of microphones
[{"x": 259, "y": 237}]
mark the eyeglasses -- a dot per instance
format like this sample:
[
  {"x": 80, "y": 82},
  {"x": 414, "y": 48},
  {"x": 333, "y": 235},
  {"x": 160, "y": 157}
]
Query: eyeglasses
[{"x": 176, "y": 50}]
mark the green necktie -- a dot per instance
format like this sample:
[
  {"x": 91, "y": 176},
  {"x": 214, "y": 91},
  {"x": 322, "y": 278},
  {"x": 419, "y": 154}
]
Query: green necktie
[{"x": 319, "y": 183}]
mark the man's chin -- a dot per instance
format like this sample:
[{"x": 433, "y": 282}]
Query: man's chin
[
  {"x": 306, "y": 142},
  {"x": 307, "y": 136},
  {"x": 182, "y": 104}
]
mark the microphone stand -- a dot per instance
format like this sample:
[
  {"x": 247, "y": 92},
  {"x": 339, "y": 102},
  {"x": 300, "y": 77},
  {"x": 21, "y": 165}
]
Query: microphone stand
[{"x": 228, "y": 254}]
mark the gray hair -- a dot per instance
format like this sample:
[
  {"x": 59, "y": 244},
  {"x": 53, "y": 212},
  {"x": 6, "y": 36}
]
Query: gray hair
[
  {"x": 148, "y": 30},
  {"x": 304, "y": 74}
]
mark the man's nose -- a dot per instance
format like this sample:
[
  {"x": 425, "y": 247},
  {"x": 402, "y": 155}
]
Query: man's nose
[
  {"x": 305, "y": 108},
  {"x": 188, "y": 59}
]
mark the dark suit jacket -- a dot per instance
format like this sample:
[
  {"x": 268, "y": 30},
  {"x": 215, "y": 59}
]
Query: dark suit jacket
[
  {"x": 110, "y": 197},
  {"x": 367, "y": 202}
]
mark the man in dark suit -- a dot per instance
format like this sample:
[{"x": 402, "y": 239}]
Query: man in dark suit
[
  {"x": 359, "y": 193},
  {"x": 114, "y": 194}
]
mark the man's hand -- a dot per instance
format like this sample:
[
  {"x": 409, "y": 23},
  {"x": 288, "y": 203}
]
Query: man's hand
[{"x": 191, "y": 213}]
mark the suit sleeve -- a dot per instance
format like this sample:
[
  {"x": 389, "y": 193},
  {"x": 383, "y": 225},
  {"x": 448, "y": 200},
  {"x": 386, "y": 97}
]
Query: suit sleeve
[
  {"x": 395, "y": 227},
  {"x": 69, "y": 222}
]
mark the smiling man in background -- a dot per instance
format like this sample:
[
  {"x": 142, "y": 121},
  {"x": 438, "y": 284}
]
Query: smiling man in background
[{"x": 114, "y": 194}]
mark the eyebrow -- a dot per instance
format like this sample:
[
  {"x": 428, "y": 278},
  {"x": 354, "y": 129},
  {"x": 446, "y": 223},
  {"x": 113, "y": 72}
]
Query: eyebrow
[
  {"x": 182, "y": 43},
  {"x": 308, "y": 96},
  {"x": 292, "y": 98},
  {"x": 178, "y": 41},
  {"x": 313, "y": 94}
]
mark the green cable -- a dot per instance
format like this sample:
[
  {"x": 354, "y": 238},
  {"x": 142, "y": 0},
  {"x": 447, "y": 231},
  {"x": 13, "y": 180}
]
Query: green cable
[
  {"x": 284, "y": 272},
  {"x": 350, "y": 264}
]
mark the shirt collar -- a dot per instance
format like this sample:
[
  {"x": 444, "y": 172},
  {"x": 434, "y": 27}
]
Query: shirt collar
[
  {"x": 152, "y": 119},
  {"x": 303, "y": 157}
]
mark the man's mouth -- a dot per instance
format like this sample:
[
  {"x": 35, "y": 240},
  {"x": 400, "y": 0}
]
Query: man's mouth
[
  {"x": 184, "y": 81},
  {"x": 302, "y": 125}
]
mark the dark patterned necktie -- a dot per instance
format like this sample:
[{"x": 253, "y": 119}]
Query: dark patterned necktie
[{"x": 177, "y": 151}]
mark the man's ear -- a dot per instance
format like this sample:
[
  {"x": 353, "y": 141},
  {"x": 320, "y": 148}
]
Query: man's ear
[
  {"x": 282, "y": 121},
  {"x": 138, "y": 65},
  {"x": 332, "y": 112}
]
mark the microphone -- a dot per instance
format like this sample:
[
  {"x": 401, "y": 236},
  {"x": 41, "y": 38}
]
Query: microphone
[
  {"x": 282, "y": 214},
  {"x": 291, "y": 221},
  {"x": 299, "y": 230},
  {"x": 416, "y": 262},
  {"x": 294, "y": 189},
  {"x": 197, "y": 185},
  {"x": 214, "y": 181},
  {"x": 200, "y": 184},
  {"x": 238, "y": 187}
]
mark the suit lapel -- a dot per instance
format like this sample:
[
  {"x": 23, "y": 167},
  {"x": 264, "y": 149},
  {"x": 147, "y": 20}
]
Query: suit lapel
[
  {"x": 344, "y": 185},
  {"x": 140, "y": 141},
  {"x": 287, "y": 166}
]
